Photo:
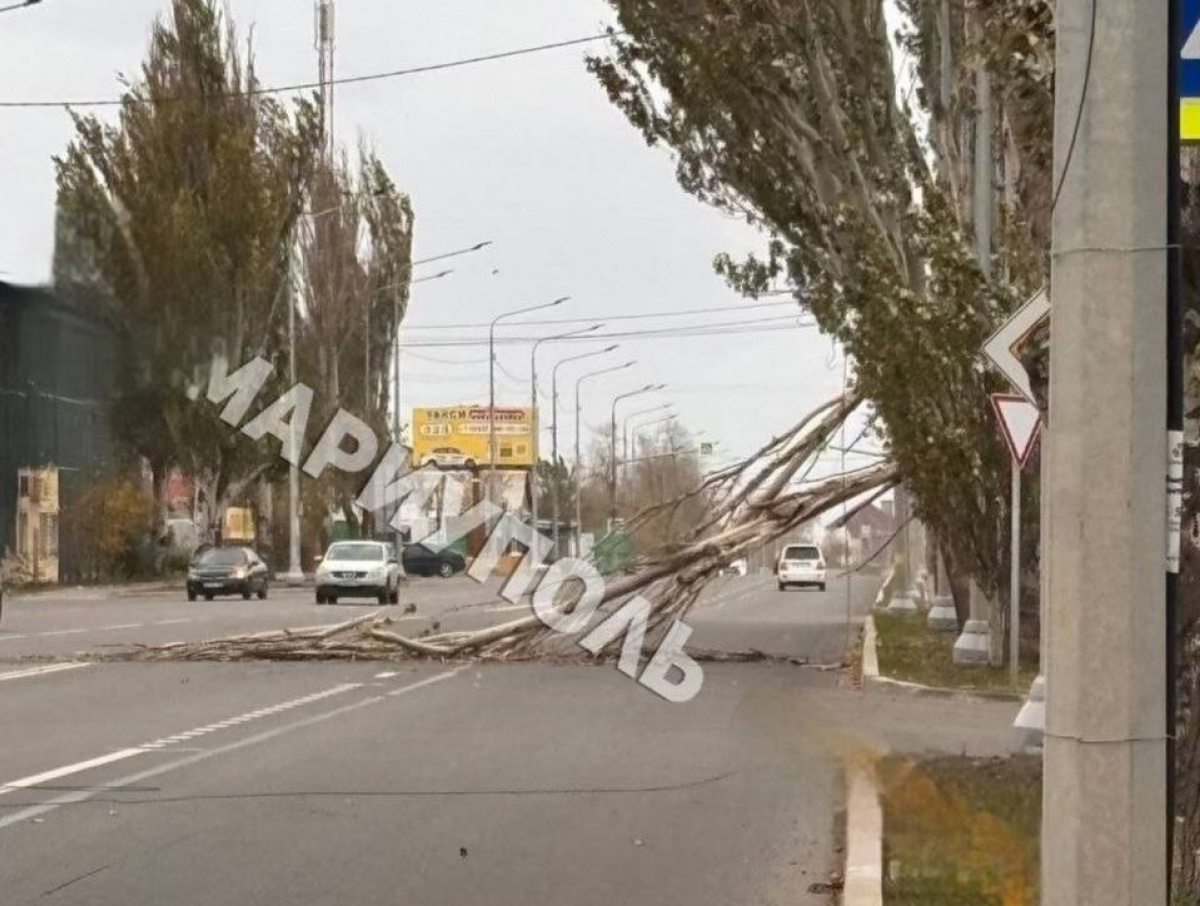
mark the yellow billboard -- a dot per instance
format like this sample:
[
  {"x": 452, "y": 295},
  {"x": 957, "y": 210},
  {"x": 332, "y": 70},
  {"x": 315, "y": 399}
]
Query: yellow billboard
[{"x": 456, "y": 437}]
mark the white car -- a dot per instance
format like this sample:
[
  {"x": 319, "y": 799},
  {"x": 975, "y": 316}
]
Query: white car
[
  {"x": 449, "y": 458},
  {"x": 801, "y": 565},
  {"x": 359, "y": 569}
]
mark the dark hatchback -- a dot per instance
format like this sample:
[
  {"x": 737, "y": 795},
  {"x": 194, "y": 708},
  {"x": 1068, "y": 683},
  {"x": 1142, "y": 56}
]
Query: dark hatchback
[
  {"x": 421, "y": 561},
  {"x": 227, "y": 571}
]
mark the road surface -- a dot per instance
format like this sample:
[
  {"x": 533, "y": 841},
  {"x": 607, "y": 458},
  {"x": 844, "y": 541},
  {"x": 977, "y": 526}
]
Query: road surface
[{"x": 365, "y": 783}]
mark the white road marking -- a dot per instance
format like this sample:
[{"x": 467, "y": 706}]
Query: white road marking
[
  {"x": 12, "y": 638},
  {"x": 67, "y": 770},
  {"x": 203, "y": 755},
  {"x": 170, "y": 622},
  {"x": 387, "y": 674},
  {"x": 122, "y": 626},
  {"x": 64, "y": 632},
  {"x": 40, "y": 671}
]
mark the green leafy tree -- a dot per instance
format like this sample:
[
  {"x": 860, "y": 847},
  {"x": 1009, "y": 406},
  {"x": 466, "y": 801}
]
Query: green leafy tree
[
  {"x": 787, "y": 113},
  {"x": 181, "y": 216}
]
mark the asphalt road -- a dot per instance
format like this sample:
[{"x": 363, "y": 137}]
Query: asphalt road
[
  {"x": 364, "y": 783},
  {"x": 734, "y": 613}
]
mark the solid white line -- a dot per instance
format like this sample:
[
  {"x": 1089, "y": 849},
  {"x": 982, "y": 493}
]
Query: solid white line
[
  {"x": 40, "y": 671},
  {"x": 169, "y": 622},
  {"x": 387, "y": 674},
  {"x": 67, "y": 770},
  {"x": 83, "y": 795},
  {"x": 63, "y": 632},
  {"x": 12, "y": 638},
  {"x": 123, "y": 626}
]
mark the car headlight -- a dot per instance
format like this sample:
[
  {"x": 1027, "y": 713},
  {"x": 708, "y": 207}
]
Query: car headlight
[
  {"x": 193, "y": 573},
  {"x": 239, "y": 573}
]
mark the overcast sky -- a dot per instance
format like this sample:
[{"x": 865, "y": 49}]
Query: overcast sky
[{"x": 526, "y": 152}]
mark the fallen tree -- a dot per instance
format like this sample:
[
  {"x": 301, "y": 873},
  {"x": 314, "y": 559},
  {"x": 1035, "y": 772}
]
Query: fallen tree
[{"x": 752, "y": 503}]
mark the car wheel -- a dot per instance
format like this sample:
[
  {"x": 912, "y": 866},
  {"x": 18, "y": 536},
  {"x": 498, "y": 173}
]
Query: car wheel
[
  {"x": 191, "y": 596},
  {"x": 783, "y": 586},
  {"x": 394, "y": 597},
  {"x": 208, "y": 597},
  {"x": 246, "y": 593},
  {"x": 320, "y": 599},
  {"x": 262, "y": 592},
  {"x": 821, "y": 587},
  {"x": 445, "y": 570}
]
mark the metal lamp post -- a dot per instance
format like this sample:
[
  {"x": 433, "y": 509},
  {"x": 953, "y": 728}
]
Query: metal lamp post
[
  {"x": 651, "y": 424},
  {"x": 612, "y": 459},
  {"x": 625, "y": 429},
  {"x": 554, "y": 502},
  {"x": 492, "y": 383},
  {"x": 533, "y": 406},
  {"x": 578, "y": 459}
]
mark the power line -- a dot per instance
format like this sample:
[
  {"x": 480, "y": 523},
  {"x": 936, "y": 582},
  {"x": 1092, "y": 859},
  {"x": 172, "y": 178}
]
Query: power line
[
  {"x": 632, "y": 317},
  {"x": 1087, "y": 78},
  {"x": 760, "y": 325},
  {"x": 12, "y": 7},
  {"x": 344, "y": 80}
]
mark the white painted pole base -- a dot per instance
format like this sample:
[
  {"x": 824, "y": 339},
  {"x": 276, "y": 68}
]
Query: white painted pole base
[
  {"x": 942, "y": 615},
  {"x": 973, "y": 646},
  {"x": 903, "y": 602},
  {"x": 1031, "y": 719}
]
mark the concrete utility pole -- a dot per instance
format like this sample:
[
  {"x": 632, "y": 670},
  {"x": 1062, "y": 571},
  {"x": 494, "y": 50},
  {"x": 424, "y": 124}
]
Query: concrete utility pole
[{"x": 1104, "y": 829}]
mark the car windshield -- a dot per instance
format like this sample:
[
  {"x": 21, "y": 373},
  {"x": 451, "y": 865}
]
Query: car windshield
[
  {"x": 355, "y": 552},
  {"x": 223, "y": 557},
  {"x": 801, "y": 552}
]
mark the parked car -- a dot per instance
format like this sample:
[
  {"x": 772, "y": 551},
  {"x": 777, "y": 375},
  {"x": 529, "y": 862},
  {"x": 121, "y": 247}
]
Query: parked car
[
  {"x": 420, "y": 560},
  {"x": 801, "y": 565},
  {"x": 449, "y": 458},
  {"x": 359, "y": 569},
  {"x": 227, "y": 571}
]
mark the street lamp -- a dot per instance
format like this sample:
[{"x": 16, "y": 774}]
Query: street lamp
[
  {"x": 492, "y": 382},
  {"x": 612, "y": 458},
  {"x": 578, "y": 459},
  {"x": 533, "y": 405},
  {"x": 625, "y": 426},
  {"x": 650, "y": 424},
  {"x": 554, "y": 504}
]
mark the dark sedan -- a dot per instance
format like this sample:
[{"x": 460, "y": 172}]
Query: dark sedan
[
  {"x": 421, "y": 561},
  {"x": 227, "y": 571}
]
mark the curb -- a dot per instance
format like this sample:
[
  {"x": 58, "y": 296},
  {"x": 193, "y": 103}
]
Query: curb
[
  {"x": 871, "y": 678},
  {"x": 864, "y": 839},
  {"x": 870, "y": 654}
]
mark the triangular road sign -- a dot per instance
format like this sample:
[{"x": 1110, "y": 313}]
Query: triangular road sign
[{"x": 1019, "y": 422}]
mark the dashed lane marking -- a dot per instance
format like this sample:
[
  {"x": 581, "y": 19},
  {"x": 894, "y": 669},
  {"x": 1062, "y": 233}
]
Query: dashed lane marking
[
  {"x": 40, "y": 671},
  {"x": 194, "y": 757}
]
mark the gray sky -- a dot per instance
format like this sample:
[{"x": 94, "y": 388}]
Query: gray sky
[{"x": 526, "y": 152}]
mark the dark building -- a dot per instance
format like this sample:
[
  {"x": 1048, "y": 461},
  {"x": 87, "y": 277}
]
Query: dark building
[{"x": 59, "y": 366}]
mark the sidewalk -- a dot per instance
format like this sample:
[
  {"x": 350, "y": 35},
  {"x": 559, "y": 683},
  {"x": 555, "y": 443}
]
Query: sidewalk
[{"x": 96, "y": 592}]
